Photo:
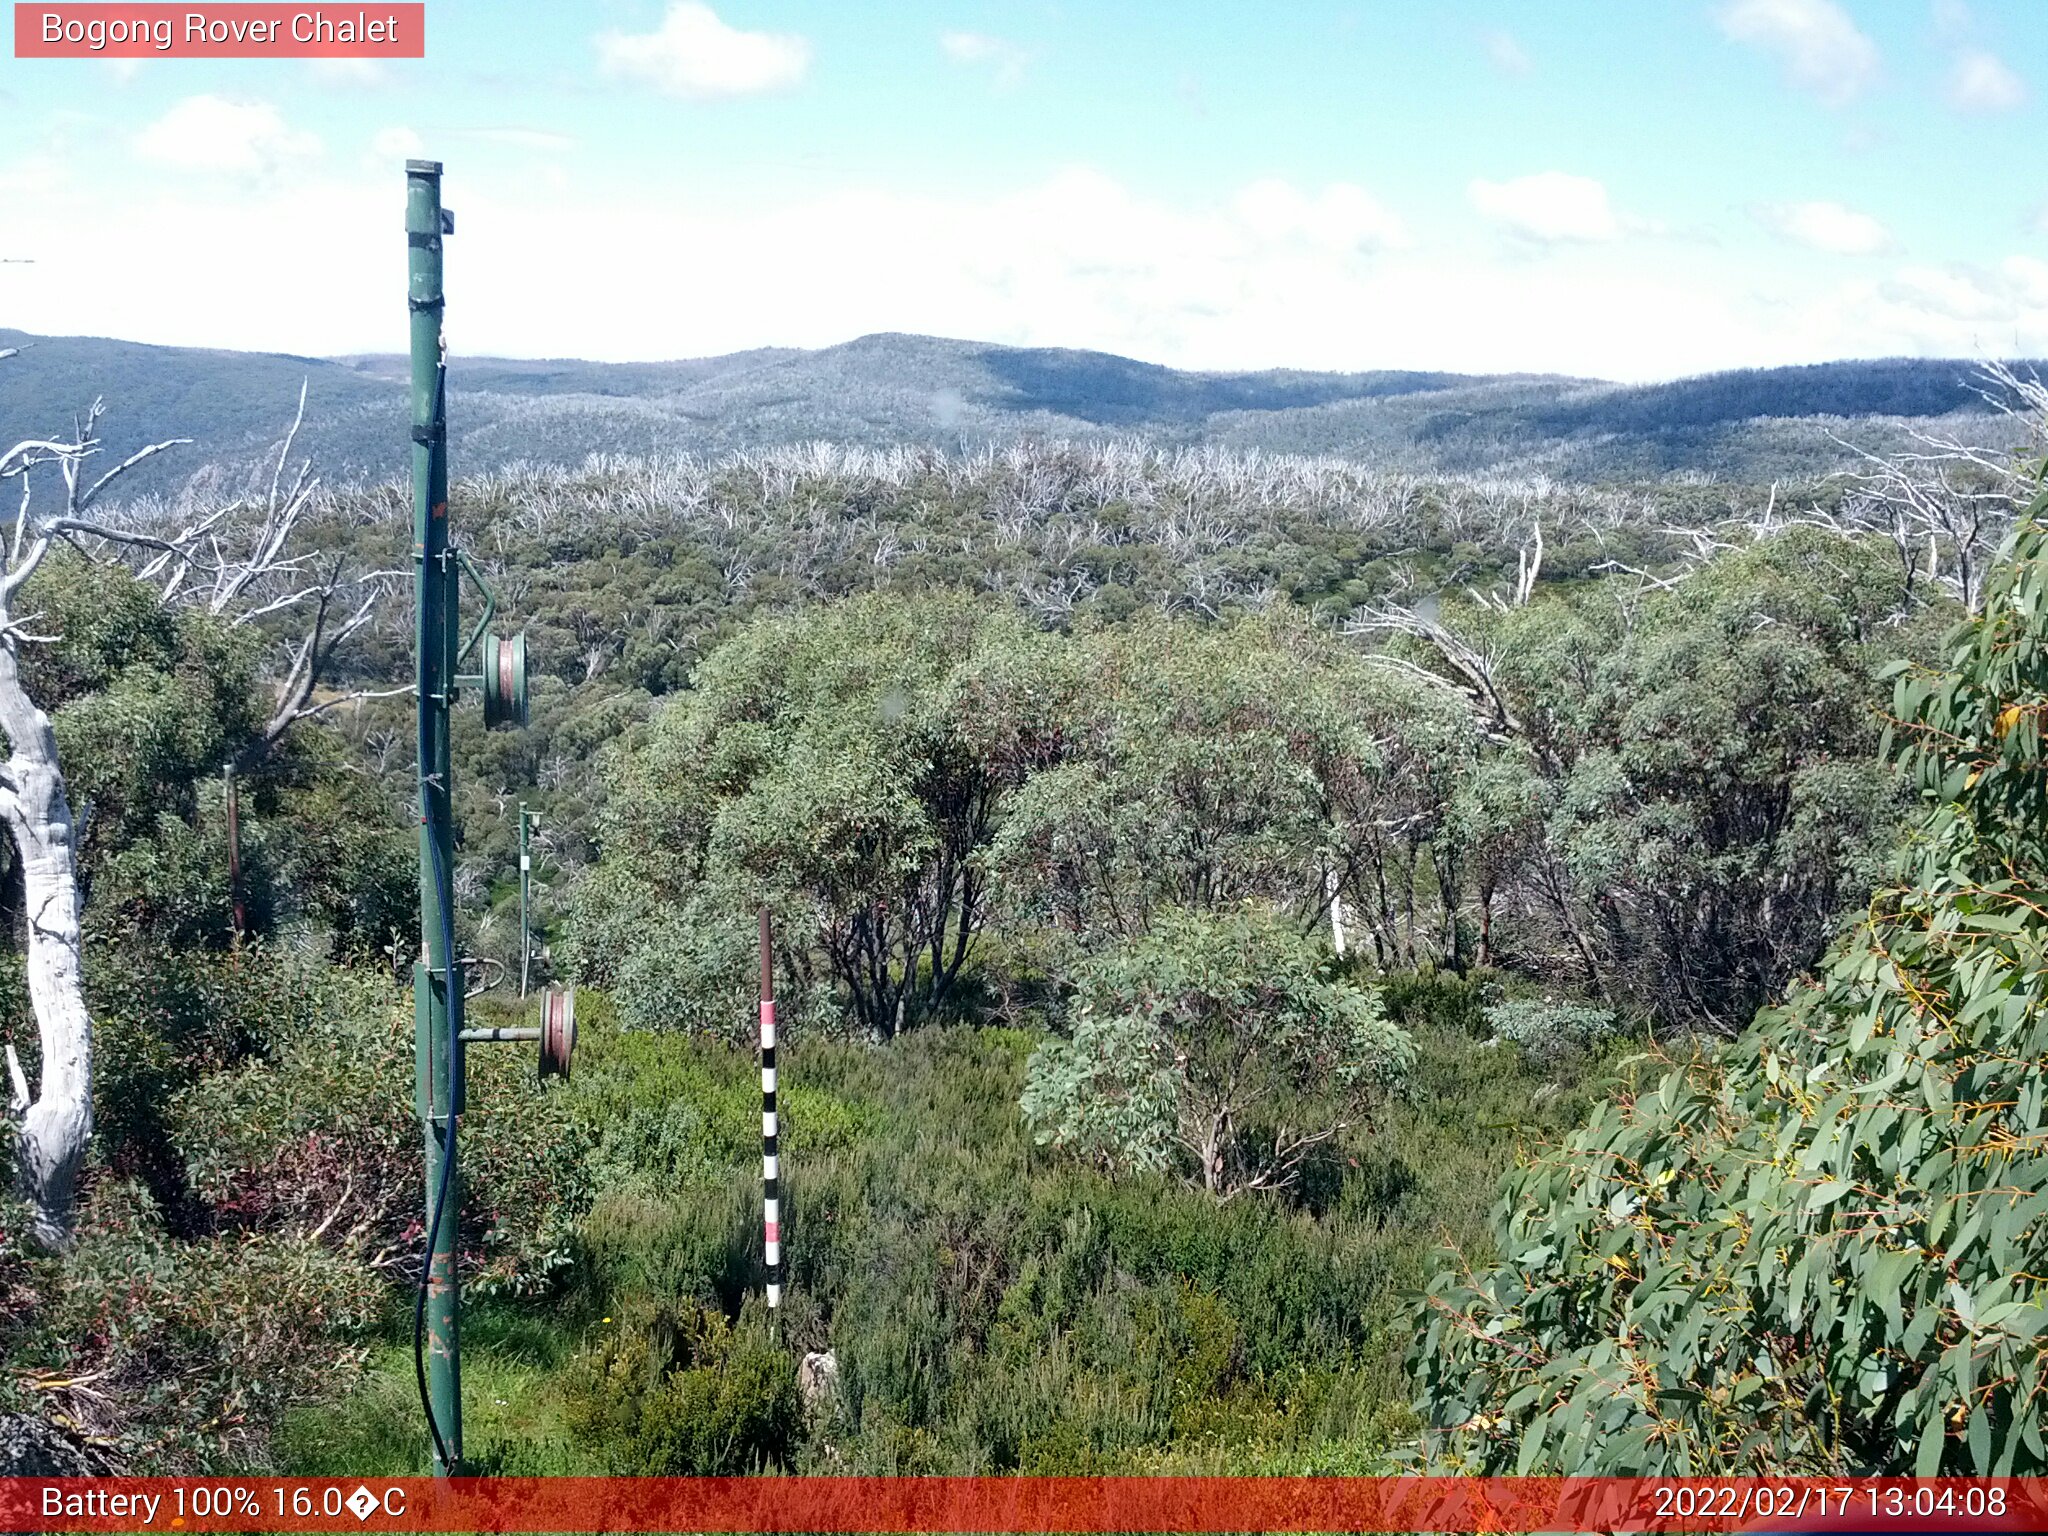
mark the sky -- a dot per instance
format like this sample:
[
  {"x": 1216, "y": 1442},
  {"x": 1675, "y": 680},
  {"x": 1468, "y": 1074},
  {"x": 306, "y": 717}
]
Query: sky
[{"x": 1593, "y": 187}]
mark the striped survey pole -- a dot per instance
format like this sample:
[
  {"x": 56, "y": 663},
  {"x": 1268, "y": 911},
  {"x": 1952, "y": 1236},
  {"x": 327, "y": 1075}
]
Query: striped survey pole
[{"x": 771, "y": 1162}]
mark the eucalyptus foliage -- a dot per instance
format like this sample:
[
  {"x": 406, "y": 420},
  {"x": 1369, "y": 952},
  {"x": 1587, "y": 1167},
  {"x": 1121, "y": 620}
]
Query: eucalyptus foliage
[
  {"x": 1205, "y": 766},
  {"x": 148, "y": 702},
  {"x": 898, "y": 777},
  {"x": 1822, "y": 1251},
  {"x": 1213, "y": 1046},
  {"x": 1551, "y": 1031},
  {"x": 1706, "y": 803},
  {"x": 835, "y": 765}
]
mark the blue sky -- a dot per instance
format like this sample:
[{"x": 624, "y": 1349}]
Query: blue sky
[{"x": 1598, "y": 187}]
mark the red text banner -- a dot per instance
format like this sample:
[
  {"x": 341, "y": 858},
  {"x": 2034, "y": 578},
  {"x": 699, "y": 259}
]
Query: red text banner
[
  {"x": 991, "y": 1504},
  {"x": 238, "y": 31}
]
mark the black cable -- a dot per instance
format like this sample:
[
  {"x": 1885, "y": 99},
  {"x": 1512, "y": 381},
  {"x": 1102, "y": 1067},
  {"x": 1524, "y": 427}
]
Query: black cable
[{"x": 447, "y": 924}]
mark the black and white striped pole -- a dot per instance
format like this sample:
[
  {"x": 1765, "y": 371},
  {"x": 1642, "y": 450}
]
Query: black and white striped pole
[
  {"x": 771, "y": 1161},
  {"x": 526, "y": 821}
]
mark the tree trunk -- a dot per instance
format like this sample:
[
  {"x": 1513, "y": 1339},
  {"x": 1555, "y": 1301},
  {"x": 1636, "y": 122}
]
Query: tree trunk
[{"x": 57, "y": 1122}]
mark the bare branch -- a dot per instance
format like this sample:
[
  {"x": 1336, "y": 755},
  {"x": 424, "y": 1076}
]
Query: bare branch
[
  {"x": 20, "y": 571},
  {"x": 79, "y": 525},
  {"x": 127, "y": 464},
  {"x": 1473, "y": 666},
  {"x": 285, "y": 451},
  {"x": 1663, "y": 583},
  {"x": 26, "y": 455}
]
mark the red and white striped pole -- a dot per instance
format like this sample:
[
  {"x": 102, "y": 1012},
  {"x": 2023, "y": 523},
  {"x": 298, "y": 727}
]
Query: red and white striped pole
[{"x": 771, "y": 1169}]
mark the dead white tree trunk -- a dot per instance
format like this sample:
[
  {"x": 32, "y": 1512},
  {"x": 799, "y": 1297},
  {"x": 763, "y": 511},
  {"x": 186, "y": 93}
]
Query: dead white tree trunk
[
  {"x": 252, "y": 574},
  {"x": 55, "y": 1123}
]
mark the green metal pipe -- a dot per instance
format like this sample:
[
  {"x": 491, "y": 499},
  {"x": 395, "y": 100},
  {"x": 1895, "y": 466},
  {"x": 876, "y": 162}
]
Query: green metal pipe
[
  {"x": 490, "y": 606},
  {"x": 437, "y": 995}
]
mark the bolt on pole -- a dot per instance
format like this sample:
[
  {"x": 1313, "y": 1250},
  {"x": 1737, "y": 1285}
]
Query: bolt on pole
[{"x": 437, "y": 993}]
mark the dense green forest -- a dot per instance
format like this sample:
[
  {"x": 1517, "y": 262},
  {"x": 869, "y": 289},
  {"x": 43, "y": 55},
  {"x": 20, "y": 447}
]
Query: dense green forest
[{"x": 1286, "y": 967}]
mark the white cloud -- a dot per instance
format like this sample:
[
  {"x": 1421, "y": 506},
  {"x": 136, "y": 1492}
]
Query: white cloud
[
  {"x": 976, "y": 49},
  {"x": 1340, "y": 218},
  {"x": 2031, "y": 275},
  {"x": 1826, "y": 226},
  {"x": 211, "y": 133},
  {"x": 1550, "y": 206},
  {"x": 35, "y": 174},
  {"x": 1505, "y": 53},
  {"x": 971, "y": 47},
  {"x": 1271, "y": 274},
  {"x": 1927, "y": 311},
  {"x": 1983, "y": 82},
  {"x": 1820, "y": 48},
  {"x": 695, "y": 55},
  {"x": 398, "y": 144},
  {"x": 1952, "y": 292}
]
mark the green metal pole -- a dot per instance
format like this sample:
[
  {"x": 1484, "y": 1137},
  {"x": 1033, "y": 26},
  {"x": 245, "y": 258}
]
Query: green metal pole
[
  {"x": 437, "y": 994},
  {"x": 525, "y": 922}
]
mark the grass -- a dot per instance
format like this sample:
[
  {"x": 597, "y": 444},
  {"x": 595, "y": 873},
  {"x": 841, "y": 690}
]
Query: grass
[
  {"x": 993, "y": 1307},
  {"x": 513, "y": 1411}
]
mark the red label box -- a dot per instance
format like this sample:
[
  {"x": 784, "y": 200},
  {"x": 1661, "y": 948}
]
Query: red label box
[
  {"x": 373, "y": 30},
  {"x": 1095, "y": 1506}
]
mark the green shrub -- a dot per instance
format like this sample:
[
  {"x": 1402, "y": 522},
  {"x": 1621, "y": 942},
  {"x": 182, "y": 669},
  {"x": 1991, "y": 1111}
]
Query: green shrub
[
  {"x": 172, "y": 1355},
  {"x": 317, "y": 1132},
  {"x": 1213, "y": 1046},
  {"x": 1445, "y": 999},
  {"x": 687, "y": 1394},
  {"x": 1821, "y": 1252},
  {"x": 1551, "y": 1031}
]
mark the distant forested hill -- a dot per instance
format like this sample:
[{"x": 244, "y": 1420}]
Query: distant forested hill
[{"x": 1755, "y": 423}]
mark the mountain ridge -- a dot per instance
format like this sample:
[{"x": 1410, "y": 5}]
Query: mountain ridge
[{"x": 898, "y": 387}]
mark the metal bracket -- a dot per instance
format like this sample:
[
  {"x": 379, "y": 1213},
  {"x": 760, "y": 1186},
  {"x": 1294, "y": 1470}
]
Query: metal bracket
[
  {"x": 490, "y": 606},
  {"x": 478, "y": 988}
]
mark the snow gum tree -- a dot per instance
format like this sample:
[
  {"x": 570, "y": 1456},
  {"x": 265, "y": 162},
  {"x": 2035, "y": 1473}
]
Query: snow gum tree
[{"x": 232, "y": 558}]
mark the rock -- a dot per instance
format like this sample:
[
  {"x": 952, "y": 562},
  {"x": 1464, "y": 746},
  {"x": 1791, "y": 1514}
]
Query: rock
[
  {"x": 818, "y": 1378},
  {"x": 29, "y": 1447}
]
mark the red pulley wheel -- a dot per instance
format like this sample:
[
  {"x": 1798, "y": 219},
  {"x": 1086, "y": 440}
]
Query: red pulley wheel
[
  {"x": 504, "y": 680},
  {"x": 557, "y": 1030}
]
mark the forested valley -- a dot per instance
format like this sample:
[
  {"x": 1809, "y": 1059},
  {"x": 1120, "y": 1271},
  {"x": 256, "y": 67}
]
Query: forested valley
[{"x": 1284, "y": 966}]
